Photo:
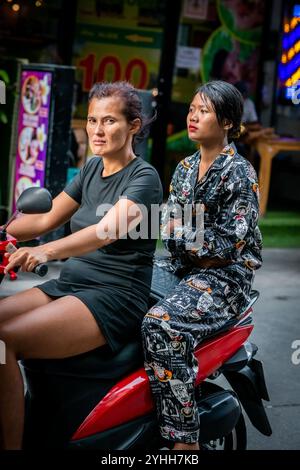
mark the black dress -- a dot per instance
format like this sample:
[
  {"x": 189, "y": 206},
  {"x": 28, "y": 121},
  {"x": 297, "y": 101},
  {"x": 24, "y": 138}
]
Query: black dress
[{"x": 113, "y": 281}]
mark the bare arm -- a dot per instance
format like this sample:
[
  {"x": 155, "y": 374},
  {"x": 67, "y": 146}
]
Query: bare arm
[
  {"x": 28, "y": 227},
  {"x": 121, "y": 218}
]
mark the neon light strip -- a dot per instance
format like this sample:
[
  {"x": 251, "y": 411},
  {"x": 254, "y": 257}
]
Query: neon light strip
[
  {"x": 289, "y": 68},
  {"x": 291, "y": 38}
]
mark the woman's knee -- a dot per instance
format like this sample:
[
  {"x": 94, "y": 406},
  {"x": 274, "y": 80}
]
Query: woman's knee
[
  {"x": 7, "y": 335},
  {"x": 12, "y": 333},
  {"x": 21, "y": 303}
]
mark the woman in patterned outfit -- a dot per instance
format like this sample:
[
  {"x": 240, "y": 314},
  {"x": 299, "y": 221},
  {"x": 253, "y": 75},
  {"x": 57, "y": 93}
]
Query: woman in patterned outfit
[{"x": 217, "y": 273}]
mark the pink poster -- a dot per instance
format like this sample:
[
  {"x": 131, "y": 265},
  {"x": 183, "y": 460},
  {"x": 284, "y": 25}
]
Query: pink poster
[{"x": 33, "y": 123}]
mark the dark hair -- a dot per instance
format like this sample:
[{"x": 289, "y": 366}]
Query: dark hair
[
  {"x": 132, "y": 108},
  {"x": 227, "y": 103}
]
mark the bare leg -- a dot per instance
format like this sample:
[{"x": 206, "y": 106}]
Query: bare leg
[
  {"x": 62, "y": 328},
  {"x": 22, "y": 302},
  {"x": 11, "y": 388}
]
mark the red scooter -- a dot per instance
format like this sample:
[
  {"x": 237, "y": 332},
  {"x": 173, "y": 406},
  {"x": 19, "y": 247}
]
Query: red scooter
[{"x": 102, "y": 401}]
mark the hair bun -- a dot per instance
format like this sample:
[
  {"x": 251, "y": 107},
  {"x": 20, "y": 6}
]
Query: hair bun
[{"x": 237, "y": 134}]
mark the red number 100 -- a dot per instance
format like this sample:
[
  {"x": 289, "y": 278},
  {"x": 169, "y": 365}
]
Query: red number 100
[{"x": 89, "y": 65}]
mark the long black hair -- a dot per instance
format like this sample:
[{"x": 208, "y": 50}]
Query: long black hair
[{"x": 227, "y": 102}]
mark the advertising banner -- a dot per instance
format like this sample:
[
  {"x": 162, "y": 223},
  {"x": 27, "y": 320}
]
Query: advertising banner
[
  {"x": 117, "y": 41},
  {"x": 32, "y": 135}
]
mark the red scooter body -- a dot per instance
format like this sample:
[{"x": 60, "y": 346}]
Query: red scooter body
[
  {"x": 3, "y": 259},
  {"x": 131, "y": 397}
]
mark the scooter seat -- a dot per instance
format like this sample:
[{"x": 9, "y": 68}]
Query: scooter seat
[
  {"x": 100, "y": 363},
  {"x": 162, "y": 282}
]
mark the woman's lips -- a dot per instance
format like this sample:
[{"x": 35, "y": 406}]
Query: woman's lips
[{"x": 192, "y": 128}]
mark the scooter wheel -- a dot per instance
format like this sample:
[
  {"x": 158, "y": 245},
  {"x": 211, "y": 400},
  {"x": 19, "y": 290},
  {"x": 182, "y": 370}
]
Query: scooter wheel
[{"x": 236, "y": 440}]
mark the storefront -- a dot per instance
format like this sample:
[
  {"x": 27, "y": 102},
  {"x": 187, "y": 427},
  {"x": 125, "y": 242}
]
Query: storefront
[{"x": 166, "y": 47}]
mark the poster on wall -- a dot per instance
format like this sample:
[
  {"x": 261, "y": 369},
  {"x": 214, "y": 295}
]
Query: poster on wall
[
  {"x": 226, "y": 58},
  {"x": 195, "y": 9},
  {"x": 242, "y": 19},
  {"x": 117, "y": 42},
  {"x": 32, "y": 133},
  {"x": 231, "y": 53},
  {"x": 228, "y": 41},
  {"x": 225, "y": 45}
]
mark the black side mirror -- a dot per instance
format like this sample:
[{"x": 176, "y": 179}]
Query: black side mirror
[{"x": 34, "y": 201}]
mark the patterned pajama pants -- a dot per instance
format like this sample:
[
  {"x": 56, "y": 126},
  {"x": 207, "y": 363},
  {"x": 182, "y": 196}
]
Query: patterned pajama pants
[{"x": 196, "y": 307}]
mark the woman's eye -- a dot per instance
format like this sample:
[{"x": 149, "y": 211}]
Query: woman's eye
[
  {"x": 91, "y": 121},
  {"x": 109, "y": 120}
]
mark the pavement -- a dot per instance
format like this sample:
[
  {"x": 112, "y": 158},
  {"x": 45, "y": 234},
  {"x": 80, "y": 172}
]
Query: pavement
[{"x": 277, "y": 327}]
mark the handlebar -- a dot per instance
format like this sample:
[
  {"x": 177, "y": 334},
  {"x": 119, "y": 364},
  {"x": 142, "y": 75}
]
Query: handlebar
[{"x": 41, "y": 270}]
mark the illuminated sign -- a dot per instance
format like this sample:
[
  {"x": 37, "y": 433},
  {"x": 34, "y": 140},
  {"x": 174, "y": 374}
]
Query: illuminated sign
[
  {"x": 289, "y": 67},
  {"x": 296, "y": 11}
]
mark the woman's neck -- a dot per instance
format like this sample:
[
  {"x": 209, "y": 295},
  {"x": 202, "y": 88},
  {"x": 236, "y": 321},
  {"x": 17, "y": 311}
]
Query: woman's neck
[
  {"x": 210, "y": 152},
  {"x": 113, "y": 164}
]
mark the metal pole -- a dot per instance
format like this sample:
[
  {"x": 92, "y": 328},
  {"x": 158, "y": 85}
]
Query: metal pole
[{"x": 165, "y": 79}]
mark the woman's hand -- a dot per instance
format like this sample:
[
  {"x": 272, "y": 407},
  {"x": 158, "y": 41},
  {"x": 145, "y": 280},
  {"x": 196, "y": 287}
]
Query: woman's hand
[{"x": 27, "y": 258}]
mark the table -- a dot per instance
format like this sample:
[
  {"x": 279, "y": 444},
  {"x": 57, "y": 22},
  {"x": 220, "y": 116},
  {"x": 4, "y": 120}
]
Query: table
[{"x": 267, "y": 149}]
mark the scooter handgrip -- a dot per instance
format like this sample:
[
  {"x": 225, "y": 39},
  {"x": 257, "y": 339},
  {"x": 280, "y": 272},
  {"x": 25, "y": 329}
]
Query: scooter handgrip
[{"x": 41, "y": 270}]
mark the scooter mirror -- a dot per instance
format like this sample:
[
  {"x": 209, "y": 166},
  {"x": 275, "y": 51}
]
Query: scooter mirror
[{"x": 34, "y": 201}]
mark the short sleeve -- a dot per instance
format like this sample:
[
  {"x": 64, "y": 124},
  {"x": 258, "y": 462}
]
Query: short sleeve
[
  {"x": 144, "y": 188},
  {"x": 74, "y": 188}
]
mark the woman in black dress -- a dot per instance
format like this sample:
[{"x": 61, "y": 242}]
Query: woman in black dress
[
  {"x": 102, "y": 293},
  {"x": 217, "y": 258}
]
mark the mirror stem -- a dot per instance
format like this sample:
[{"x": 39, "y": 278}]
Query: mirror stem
[
  {"x": 9, "y": 221},
  {"x": 3, "y": 236}
]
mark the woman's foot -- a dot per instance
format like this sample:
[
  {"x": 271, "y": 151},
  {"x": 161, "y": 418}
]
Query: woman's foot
[{"x": 183, "y": 446}]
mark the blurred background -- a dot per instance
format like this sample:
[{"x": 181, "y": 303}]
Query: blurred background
[{"x": 52, "y": 51}]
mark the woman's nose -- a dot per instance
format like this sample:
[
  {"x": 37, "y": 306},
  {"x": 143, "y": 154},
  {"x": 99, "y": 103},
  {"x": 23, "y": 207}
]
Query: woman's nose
[{"x": 99, "y": 128}]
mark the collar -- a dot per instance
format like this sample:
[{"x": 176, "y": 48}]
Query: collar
[
  {"x": 224, "y": 157},
  {"x": 219, "y": 163}
]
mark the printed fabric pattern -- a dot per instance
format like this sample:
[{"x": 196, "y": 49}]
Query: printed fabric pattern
[{"x": 205, "y": 299}]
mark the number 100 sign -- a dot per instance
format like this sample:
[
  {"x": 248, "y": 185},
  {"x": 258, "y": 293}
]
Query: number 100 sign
[{"x": 110, "y": 64}]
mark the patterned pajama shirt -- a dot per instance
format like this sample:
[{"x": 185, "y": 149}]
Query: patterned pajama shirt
[{"x": 206, "y": 298}]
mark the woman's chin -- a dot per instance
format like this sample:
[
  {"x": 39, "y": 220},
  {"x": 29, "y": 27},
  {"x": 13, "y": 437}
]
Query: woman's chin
[
  {"x": 97, "y": 151},
  {"x": 195, "y": 139}
]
